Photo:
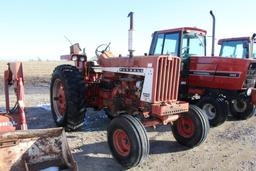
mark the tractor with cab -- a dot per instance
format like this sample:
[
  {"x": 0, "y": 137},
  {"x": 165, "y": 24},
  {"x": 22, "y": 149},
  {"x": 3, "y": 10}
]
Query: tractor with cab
[
  {"x": 217, "y": 84},
  {"x": 238, "y": 47}
]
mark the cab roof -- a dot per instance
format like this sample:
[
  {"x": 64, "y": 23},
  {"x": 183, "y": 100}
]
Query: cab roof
[
  {"x": 204, "y": 32},
  {"x": 233, "y": 39}
]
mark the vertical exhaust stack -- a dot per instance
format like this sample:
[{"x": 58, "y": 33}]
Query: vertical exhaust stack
[
  {"x": 213, "y": 32},
  {"x": 130, "y": 35},
  {"x": 253, "y": 36}
]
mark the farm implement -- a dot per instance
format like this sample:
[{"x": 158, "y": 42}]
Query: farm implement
[{"x": 27, "y": 150}]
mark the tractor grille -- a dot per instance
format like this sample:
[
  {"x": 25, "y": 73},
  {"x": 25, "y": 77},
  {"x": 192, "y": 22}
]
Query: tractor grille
[
  {"x": 168, "y": 76},
  {"x": 251, "y": 76}
]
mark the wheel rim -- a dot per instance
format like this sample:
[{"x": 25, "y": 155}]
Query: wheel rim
[
  {"x": 186, "y": 127},
  {"x": 210, "y": 111},
  {"x": 121, "y": 142},
  {"x": 239, "y": 105},
  {"x": 59, "y": 99}
]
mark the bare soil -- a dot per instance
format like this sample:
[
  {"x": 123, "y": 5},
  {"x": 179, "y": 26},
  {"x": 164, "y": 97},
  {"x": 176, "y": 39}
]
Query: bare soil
[{"x": 230, "y": 146}]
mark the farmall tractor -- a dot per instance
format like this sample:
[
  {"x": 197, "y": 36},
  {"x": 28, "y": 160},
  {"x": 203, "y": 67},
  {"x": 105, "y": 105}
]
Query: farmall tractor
[
  {"x": 216, "y": 84},
  {"x": 28, "y": 150},
  {"x": 135, "y": 91}
]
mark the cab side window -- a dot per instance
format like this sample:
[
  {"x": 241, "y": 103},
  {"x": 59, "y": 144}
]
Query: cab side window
[
  {"x": 159, "y": 44},
  {"x": 167, "y": 44}
]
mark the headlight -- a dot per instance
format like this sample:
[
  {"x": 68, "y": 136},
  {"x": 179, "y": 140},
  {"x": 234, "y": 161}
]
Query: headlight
[
  {"x": 82, "y": 58},
  {"x": 249, "y": 91},
  {"x": 74, "y": 58}
]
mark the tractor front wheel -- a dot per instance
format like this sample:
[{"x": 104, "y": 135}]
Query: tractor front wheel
[
  {"x": 128, "y": 140},
  {"x": 241, "y": 109},
  {"x": 67, "y": 92},
  {"x": 191, "y": 129}
]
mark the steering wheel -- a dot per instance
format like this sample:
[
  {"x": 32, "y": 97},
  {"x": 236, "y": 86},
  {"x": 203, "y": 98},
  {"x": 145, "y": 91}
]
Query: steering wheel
[
  {"x": 184, "y": 52},
  {"x": 102, "y": 48}
]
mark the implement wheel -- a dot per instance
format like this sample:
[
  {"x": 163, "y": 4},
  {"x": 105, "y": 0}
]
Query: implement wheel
[
  {"x": 241, "y": 109},
  {"x": 191, "y": 128},
  {"x": 215, "y": 108},
  {"x": 127, "y": 140},
  {"x": 67, "y": 97}
]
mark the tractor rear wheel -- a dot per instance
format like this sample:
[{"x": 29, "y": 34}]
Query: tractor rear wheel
[
  {"x": 241, "y": 109},
  {"x": 67, "y": 92},
  {"x": 191, "y": 129},
  {"x": 127, "y": 140},
  {"x": 215, "y": 109}
]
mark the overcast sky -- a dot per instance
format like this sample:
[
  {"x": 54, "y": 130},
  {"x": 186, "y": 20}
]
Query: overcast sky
[{"x": 36, "y": 28}]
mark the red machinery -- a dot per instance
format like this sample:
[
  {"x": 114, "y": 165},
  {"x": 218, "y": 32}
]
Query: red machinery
[
  {"x": 216, "y": 84},
  {"x": 238, "y": 47},
  {"x": 135, "y": 91},
  {"x": 13, "y": 119},
  {"x": 28, "y": 150}
]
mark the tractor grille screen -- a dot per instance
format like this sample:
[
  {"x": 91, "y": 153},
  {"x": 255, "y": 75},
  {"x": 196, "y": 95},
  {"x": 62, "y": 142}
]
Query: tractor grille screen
[
  {"x": 168, "y": 76},
  {"x": 251, "y": 75}
]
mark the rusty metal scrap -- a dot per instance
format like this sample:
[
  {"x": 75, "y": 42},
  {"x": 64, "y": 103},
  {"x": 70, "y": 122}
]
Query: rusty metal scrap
[{"x": 35, "y": 150}]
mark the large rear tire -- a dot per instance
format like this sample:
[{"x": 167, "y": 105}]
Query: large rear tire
[
  {"x": 215, "y": 108},
  {"x": 67, "y": 92},
  {"x": 191, "y": 129},
  {"x": 241, "y": 109},
  {"x": 128, "y": 140}
]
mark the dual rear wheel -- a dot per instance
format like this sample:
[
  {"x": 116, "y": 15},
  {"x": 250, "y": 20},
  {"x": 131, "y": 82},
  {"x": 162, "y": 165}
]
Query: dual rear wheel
[
  {"x": 241, "y": 109},
  {"x": 217, "y": 109}
]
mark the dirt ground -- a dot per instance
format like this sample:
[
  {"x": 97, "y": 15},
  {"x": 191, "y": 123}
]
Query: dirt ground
[{"x": 230, "y": 146}]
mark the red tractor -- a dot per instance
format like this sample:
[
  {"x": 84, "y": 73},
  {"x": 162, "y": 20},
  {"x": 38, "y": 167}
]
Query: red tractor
[
  {"x": 214, "y": 83},
  {"x": 238, "y": 47},
  {"x": 135, "y": 91}
]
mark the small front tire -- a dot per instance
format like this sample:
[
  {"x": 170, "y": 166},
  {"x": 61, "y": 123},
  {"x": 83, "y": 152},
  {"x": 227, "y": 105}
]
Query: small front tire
[
  {"x": 127, "y": 140},
  {"x": 191, "y": 129}
]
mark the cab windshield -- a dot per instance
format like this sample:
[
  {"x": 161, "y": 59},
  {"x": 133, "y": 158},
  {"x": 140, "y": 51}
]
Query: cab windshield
[
  {"x": 235, "y": 49},
  {"x": 167, "y": 44}
]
